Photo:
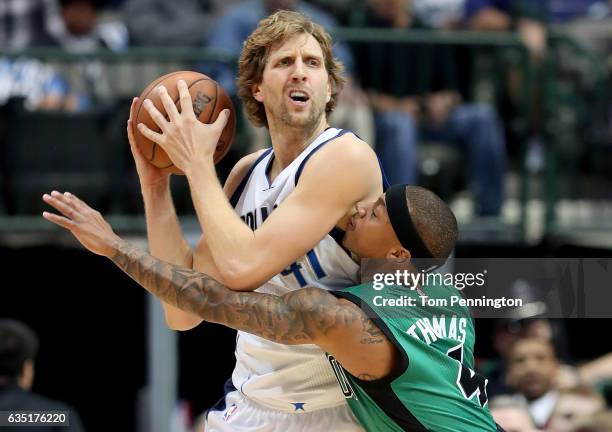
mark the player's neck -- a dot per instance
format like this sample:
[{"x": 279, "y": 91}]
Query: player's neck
[{"x": 289, "y": 142}]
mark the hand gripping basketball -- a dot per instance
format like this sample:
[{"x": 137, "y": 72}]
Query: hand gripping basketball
[{"x": 173, "y": 139}]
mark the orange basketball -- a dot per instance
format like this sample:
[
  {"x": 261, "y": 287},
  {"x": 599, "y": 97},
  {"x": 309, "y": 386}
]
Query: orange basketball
[{"x": 208, "y": 98}]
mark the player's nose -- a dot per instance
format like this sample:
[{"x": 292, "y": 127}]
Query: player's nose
[
  {"x": 360, "y": 208},
  {"x": 299, "y": 72}
]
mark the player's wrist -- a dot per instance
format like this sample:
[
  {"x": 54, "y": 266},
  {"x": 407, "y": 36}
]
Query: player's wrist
[
  {"x": 155, "y": 189},
  {"x": 114, "y": 249},
  {"x": 201, "y": 168}
]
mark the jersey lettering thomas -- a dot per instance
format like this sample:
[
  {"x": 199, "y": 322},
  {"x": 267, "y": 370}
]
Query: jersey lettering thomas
[
  {"x": 434, "y": 386},
  {"x": 276, "y": 376}
]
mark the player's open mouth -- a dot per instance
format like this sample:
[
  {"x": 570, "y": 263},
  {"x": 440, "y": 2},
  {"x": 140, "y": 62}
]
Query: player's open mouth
[{"x": 299, "y": 97}]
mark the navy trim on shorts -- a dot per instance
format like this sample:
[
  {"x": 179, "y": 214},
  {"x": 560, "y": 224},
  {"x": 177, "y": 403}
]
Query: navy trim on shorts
[
  {"x": 236, "y": 195},
  {"x": 220, "y": 405},
  {"x": 298, "y": 173}
]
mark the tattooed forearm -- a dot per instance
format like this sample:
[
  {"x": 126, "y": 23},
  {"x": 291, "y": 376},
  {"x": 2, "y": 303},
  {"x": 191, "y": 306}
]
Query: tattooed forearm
[{"x": 299, "y": 317}]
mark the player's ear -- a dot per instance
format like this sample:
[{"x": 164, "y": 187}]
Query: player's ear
[
  {"x": 256, "y": 92},
  {"x": 329, "y": 90},
  {"x": 398, "y": 254}
]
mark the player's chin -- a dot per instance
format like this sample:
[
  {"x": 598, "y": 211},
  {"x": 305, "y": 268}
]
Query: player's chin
[{"x": 349, "y": 242}]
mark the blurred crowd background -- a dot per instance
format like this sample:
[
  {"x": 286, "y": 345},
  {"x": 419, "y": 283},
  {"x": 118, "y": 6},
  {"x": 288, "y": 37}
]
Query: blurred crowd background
[{"x": 502, "y": 107}]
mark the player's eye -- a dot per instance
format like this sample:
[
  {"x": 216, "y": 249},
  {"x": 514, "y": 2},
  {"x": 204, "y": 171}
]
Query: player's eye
[
  {"x": 313, "y": 62},
  {"x": 284, "y": 62}
]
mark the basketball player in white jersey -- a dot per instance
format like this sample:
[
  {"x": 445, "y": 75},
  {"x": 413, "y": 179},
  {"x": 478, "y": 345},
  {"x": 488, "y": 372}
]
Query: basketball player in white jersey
[{"x": 291, "y": 198}]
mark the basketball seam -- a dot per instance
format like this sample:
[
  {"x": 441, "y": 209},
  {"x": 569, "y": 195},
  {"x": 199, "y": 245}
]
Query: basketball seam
[
  {"x": 178, "y": 99},
  {"x": 153, "y": 86},
  {"x": 214, "y": 104},
  {"x": 154, "y": 149}
]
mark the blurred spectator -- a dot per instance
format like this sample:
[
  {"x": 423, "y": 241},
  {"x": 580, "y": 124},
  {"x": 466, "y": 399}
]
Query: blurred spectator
[
  {"x": 113, "y": 4},
  {"x": 573, "y": 407},
  {"x": 552, "y": 330},
  {"x": 18, "y": 348},
  {"x": 563, "y": 11},
  {"x": 234, "y": 26},
  {"x": 532, "y": 368},
  {"x": 441, "y": 115},
  {"x": 69, "y": 24},
  {"x": 588, "y": 21},
  {"x": 83, "y": 32},
  {"x": 601, "y": 422},
  {"x": 37, "y": 83},
  {"x": 523, "y": 16},
  {"x": 340, "y": 9},
  {"x": 511, "y": 414},
  {"x": 527, "y": 18},
  {"x": 27, "y": 23},
  {"x": 596, "y": 371},
  {"x": 505, "y": 333},
  {"x": 170, "y": 23}
]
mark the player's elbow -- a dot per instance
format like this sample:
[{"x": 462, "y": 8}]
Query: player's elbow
[
  {"x": 239, "y": 277},
  {"x": 183, "y": 324}
]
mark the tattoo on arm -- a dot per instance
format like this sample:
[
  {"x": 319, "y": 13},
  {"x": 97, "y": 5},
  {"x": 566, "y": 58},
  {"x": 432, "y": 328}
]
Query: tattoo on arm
[
  {"x": 368, "y": 377},
  {"x": 370, "y": 333},
  {"x": 299, "y": 317}
]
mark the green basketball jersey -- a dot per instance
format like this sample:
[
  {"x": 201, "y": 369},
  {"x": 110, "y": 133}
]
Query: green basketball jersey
[{"x": 434, "y": 387}]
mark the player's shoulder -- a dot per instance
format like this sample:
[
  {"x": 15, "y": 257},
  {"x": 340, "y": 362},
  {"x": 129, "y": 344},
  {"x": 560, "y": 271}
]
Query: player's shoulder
[
  {"x": 346, "y": 154},
  {"x": 240, "y": 170},
  {"x": 246, "y": 161},
  {"x": 351, "y": 144}
]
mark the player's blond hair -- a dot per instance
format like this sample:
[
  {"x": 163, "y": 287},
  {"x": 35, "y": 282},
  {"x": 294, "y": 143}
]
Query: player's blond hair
[{"x": 270, "y": 32}]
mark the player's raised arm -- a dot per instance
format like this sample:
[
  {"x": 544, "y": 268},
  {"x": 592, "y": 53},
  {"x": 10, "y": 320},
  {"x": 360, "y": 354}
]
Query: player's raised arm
[
  {"x": 305, "y": 316},
  {"x": 164, "y": 234},
  {"x": 334, "y": 179}
]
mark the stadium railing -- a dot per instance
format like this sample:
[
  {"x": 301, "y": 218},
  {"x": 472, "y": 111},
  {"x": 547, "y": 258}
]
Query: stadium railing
[
  {"x": 475, "y": 64},
  {"x": 578, "y": 142},
  {"x": 128, "y": 72}
]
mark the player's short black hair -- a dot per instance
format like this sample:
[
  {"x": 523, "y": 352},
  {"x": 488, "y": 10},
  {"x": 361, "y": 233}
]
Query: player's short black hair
[
  {"x": 433, "y": 220},
  {"x": 18, "y": 343},
  {"x": 97, "y": 4}
]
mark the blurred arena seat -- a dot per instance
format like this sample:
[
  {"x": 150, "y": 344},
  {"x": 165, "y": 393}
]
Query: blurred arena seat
[{"x": 46, "y": 150}]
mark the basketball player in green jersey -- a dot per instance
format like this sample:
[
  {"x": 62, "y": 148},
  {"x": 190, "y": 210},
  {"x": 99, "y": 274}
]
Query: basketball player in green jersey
[{"x": 400, "y": 368}]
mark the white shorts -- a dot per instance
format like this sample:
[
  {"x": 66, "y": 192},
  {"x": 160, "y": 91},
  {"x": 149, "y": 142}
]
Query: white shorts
[{"x": 242, "y": 415}]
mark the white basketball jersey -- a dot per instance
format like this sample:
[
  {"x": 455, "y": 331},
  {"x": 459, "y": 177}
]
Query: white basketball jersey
[{"x": 294, "y": 378}]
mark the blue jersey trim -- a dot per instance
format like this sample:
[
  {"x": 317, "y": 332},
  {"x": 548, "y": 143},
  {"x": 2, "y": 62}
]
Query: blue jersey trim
[
  {"x": 338, "y": 235},
  {"x": 385, "y": 180},
  {"x": 298, "y": 173},
  {"x": 236, "y": 195},
  {"x": 267, "y": 171}
]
